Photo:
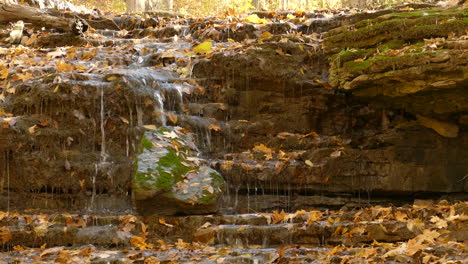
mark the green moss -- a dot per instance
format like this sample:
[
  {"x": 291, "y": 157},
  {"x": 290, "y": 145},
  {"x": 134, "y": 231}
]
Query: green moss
[
  {"x": 217, "y": 179},
  {"x": 357, "y": 66},
  {"x": 437, "y": 30},
  {"x": 146, "y": 143},
  {"x": 207, "y": 198},
  {"x": 392, "y": 44},
  {"x": 163, "y": 129},
  {"x": 351, "y": 55},
  {"x": 170, "y": 169},
  {"x": 396, "y": 27}
]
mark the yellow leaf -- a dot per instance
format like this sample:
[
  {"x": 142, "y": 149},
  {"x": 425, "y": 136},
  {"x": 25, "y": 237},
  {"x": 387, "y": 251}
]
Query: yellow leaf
[
  {"x": 278, "y": 216},
  {"x": 150, "y": 127},
  {"x": 3, "y": 72},
  {"x": 290, "y": 16},
  {"x": 172, "y": 117},
  {"x": 32, "y": 129},
  {"x": 214, "y": 127},
  {"x": 18, "y": 247},
  {"x": 56, "y": 88},
  {"x": 255, "y": 19},
  {"x": 140, "y": 243},
  {"x": 309, "y": 163},
  {"x": 266, "y": 35},
  {"x": 62, "y": 66},
  {"x": 203, "y": 47}
]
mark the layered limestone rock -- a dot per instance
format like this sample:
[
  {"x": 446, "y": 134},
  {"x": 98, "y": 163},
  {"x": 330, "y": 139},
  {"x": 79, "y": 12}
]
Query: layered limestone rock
[{"x": 414, "y": 61}]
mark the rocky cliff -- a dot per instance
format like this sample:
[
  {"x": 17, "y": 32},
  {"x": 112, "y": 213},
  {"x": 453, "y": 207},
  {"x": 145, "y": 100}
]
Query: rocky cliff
[{"x": 310, "y": 109}]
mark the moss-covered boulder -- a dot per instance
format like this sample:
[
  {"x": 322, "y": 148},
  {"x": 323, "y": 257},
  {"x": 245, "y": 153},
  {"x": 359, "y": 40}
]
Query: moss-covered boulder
[{"x": 169, "y": 179}]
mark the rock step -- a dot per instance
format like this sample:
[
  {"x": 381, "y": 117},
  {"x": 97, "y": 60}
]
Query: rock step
[{"x": 351, "y": 228}]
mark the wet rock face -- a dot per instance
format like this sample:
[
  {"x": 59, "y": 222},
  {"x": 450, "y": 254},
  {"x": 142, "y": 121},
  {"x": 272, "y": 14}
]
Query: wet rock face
[
  {"x": 289, "y": 123},
  {"x": 170, "y": 179},
  {"x": 391, "y": 59},
  {"x": 399, "y": 118},
  {"x": 71, "y": 145}
]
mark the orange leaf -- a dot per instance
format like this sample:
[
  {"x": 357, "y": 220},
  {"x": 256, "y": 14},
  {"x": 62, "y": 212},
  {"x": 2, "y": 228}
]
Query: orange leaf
[
  {"x": 62, "y": 66},
  {"x": 3, "y": 72}
]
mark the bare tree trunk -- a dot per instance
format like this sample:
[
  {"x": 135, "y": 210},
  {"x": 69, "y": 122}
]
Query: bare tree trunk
[{"x": 136, "y": 6}]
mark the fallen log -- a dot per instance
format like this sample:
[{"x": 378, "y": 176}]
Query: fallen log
[{"x": 35, "y": 16}]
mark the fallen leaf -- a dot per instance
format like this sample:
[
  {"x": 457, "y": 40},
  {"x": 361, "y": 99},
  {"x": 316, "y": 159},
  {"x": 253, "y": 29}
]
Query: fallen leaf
[
  {"x": 62, "y": 66},
  {"x": 3, "y": 72},
  {"x": 204, "y": 47}
]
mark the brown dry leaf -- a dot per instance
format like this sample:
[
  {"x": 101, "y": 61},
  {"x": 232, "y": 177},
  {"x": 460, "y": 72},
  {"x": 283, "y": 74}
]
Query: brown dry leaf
[
  {"x": 314, "y": 216},
  {"x": 262, "y": 148},
  {"x": 415, "y": 225},
  {"x": 18, "y": 247},
  {"x": 336, "y": 154},
  {"x": 400, "y": 216},
  {"x": 140, "y": 243},
  {"x": 163, "y": 245},
  {"x": 439, "y": 223},
  {"x": 172, "y": 117},
  {"x": 325, "y": 179},
  {"x": 152, "y": 260},
  {"x": 247, "y": 167},
  {"x": 3, "y": 72},
  {"x": 5, "y": 235},
  {"x": 284, "y": 135},
  {"x": 51, "y": 251},
  {"x": 86, "y": 252},
  {"x": 227, "y": 165},
  {"x": 277, "y": 217},
  {"x": 214, "y": 127},
  {"x": 75, "y": 222},
  {"x": 63, "y": 66},
  {"x": 162, "y": 221},
  {"x": 89, "y": 55},
  {"x": 64, "y": 257}
]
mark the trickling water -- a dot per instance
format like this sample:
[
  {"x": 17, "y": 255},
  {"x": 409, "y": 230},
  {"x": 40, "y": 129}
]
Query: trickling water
[
  {"x": 158, "y": 98},
  {"x": 248, "y": 197},
  {"x": 103, "y": 131},
  {"x": 93, "y": 194}
]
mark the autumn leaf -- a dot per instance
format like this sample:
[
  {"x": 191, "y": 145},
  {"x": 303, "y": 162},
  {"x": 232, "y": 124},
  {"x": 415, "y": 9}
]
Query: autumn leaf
[
  {"x": 255, "y": 19},
  {"x": 172, "y": 117},
  {"x": 62, "y": 66},
  {"x": 75, "y": 222},
  {"x": 314, "y": 216},
  {"x": 214, "y": 127},
  {"x": 171, "y": 135},
  {"x": 277, "y": 217},
  {"x": 266, "y": 35},
  {"x": 162, "y": 221},
  {"x": 5, "y": 235},
  {"x": 204, "y": 47},
  {"x": 140, "y": 243},
  {"x": 150, "y": 127},
  {"x": 336, "y": 154},
  {"x": 3, "y": 72},
  {"x": 227, "y": 165}
]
